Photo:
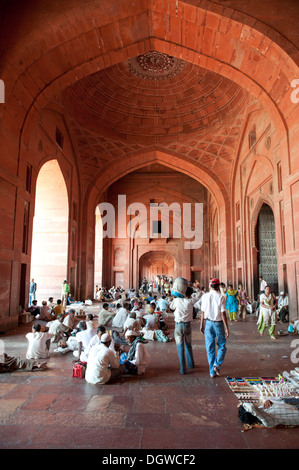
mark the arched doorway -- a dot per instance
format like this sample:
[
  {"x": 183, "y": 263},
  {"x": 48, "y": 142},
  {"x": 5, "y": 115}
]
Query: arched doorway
[
  {"x": 50, "y": 232},
  {"x": 156, "y": 263},
  {"x": 266, "y": 247},
  {"x": 98, "y": 256},
  {"x": 156, "y": 209}
]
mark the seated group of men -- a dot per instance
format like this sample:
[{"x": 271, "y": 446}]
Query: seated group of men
[
  {"x": 49, "y": 310},
  {"x": 108, "y": 354}
]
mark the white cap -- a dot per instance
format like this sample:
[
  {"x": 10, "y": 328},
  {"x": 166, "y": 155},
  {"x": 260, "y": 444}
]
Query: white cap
[
  {"x": 282, "y": 292},
  {"x": 129, "y": 333},
  {"x": 105, "y": 338}
]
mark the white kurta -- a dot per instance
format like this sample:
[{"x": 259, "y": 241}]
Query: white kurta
[
  {"x": 99, "y": 360},
  {"x": 120, "y": 318},
  {"x": 56, "y": 328},
  {"x": 38, "y": 345},
  {"x": 142, "y": 358},
  {"x": 129, "y": 323}
]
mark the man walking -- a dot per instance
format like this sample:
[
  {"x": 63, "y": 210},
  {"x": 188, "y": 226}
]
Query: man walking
[
  {"x": 183, "y": 315},
  {"x": 214, "y": 326}
]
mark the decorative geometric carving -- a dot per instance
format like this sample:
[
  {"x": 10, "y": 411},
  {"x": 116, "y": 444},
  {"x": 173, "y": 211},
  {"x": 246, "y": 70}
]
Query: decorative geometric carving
[{"x": 156, "y": 66}]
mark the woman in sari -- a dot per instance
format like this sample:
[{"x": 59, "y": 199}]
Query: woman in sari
[
  {"x": 232, "y": 303},
  {"x": 268, "y": 315}
]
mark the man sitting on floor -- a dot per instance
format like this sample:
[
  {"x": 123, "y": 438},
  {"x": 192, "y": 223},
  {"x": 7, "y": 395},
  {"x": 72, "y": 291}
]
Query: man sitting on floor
[
  {"x": 138, "y": 358},
  {"x": 58, "y": 309},
  {"x": 45, "y": 312},
  {"x": 121, "y": 316},
  {"x": 103, "y": 363},
  {"x": 70, "y": 320},
  {"x": 283, "y": 307},
  {"x": 105, "y": 316},
  {"x": 34, "y": 309},
  {"x": 83, "y": 338},
  {"x": 57, "y": 329},
  {"x": 38, "y": 343}
]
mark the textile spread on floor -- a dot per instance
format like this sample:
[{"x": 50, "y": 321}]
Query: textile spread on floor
[{"x": 282, "y": 391}]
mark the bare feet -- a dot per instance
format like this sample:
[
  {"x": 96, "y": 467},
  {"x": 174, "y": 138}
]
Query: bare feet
[{"x": 40, "y": 366}]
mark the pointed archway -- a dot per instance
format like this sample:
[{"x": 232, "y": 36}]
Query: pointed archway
[
  {"x": 156, "y": 263},
  {"x": 50, "y": 232},
  {"x": 266, "y": 247}
]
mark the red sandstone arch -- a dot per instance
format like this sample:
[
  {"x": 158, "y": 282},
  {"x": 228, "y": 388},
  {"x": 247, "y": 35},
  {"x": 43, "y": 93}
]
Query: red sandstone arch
[
  {"x": 264, "y": 200},
  {"x": 254, "y": 218},
  {"x": 222, "y": 36},
  {"x": 212, "y": 54},
  {"x": 156, "y": 257},
  {"x": 125, "y": 166},
  {"x": 51, "y": 234},
  {"x": 37, "y": 70},
  {"x": 173, "y": 245}
]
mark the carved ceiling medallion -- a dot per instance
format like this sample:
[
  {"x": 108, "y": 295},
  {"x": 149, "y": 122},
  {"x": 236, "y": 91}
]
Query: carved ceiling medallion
[{"x": 156, "y": 66}]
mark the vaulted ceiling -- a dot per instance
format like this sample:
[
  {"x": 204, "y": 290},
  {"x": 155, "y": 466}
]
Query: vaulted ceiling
[
  {"x": 153, "y": 100},
  {"x": 156, "y": 100}
]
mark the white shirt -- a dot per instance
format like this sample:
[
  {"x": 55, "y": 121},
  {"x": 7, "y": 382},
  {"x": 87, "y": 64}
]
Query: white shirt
[
  {"x": 141, "y": 359},
  {"x": 198, "y": 303},
  {"x": 120, "y": 318},
  {"x": 91, "y": 324},
  {"x": 56, "y": 327},
  {"x": 69, "y": 321},
  {"x": 95, "y": 340},
  {"x": 151, "y": 321},
  {"x": 162, "y": 304},
  {"x": 283, "y": 301},
  {"x": 99, "y": 359},
  {"x": 129, "y": 323},
  {"x": 212, "y": 304},
  {"x": 263, "y": 285},
  {"x": 183, "y": 309},
  {"x": 38, "y": 348},
  {"x": 85, "y": 336}
]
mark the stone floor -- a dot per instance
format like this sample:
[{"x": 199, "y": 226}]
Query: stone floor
[{"x": 159, "y": 410}]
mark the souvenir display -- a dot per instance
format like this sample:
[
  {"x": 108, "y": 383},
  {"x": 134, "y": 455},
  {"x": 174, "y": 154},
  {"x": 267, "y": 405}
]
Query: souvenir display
[{"x": 258, "y": 389}]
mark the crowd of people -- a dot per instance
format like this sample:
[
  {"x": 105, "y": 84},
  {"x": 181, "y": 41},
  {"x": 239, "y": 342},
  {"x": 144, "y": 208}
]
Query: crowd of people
[{"x": 113, "y": 342}]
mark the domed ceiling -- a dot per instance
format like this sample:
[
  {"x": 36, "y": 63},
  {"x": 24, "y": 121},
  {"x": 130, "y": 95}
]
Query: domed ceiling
[{"x": 155, "y": 100}]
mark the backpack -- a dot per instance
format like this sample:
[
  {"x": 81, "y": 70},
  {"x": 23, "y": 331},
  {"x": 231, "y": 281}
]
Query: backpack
[{"x": 79, "y": 369}]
